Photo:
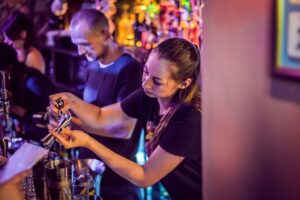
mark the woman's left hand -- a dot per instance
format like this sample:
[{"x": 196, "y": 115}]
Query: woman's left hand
[{"x": 72, "y": 138}]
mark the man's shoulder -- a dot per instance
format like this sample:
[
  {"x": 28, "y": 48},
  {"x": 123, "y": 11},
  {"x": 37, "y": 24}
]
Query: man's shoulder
[
  {"x": 126, "y": 59},
  {"x": 127, "y": 63}
]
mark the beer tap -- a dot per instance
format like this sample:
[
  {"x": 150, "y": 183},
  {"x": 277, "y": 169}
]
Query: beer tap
[
  {"x": 4, "y": 101},
  {"x": 4, "y": 146}
]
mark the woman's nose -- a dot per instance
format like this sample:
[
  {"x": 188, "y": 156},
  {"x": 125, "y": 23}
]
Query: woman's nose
[{"x": 147, "y": 83}]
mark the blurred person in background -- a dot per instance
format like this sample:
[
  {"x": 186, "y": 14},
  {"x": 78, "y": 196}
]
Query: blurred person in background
[
  {"x": 28, "y": 89},
  {"x": 18, "y": 32}
]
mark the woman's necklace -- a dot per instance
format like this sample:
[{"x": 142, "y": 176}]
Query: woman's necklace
[{"x": 150, "y": 127}]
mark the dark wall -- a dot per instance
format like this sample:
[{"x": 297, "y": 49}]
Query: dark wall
[{"x": 251, "y": 120}]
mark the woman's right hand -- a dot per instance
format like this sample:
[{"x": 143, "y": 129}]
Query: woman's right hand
[
  {"x": 67, "y": 99},
  {"x": 71, "y": 138}
]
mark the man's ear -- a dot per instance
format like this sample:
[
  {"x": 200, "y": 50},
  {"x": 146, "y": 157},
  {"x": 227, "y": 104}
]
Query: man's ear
[
  {"x": 185, "y": 83},
  {"x": 106, "y": 34},
  {"x": 23, "y": 35}
]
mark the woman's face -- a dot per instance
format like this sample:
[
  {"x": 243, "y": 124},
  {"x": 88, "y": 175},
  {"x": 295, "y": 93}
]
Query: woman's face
[{"x": 157, "y": 81}]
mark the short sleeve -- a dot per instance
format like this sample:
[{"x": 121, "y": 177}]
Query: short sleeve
[
  {"x": 133, "y": 104},
  {"x": 130, "y": 79},
  {"x": 182, "y": 136}
]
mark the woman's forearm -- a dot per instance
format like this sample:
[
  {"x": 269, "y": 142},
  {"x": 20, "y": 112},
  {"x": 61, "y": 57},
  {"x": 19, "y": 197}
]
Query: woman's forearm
[
  {"x": 123, "y": 130},
  {"x": 88, "y": 113},
  {"x": 122, "y": 166}
]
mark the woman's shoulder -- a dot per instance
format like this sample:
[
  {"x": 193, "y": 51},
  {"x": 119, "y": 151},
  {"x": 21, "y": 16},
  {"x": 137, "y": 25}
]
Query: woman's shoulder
[
  {"x": 35, "y": 59},
  {"x": 140, "y": 94},
  {"x": 34, "y": 52},
  {"x": 186, "y": 115},
  {"x": 188, "y": 110}
]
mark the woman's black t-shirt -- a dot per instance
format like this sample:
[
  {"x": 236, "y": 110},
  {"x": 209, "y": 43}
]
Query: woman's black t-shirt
[{"x": 181, "y": 137}]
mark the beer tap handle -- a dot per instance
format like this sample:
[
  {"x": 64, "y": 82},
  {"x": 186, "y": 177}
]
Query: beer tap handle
[
  {"x": 5, "y": 103},
  {"x": 64, "y": 121},
  {"x": 4, "y": 146}
]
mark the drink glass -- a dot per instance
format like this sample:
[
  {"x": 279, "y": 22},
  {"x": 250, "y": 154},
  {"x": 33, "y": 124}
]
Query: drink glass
[{"x": 80, "y": 190}]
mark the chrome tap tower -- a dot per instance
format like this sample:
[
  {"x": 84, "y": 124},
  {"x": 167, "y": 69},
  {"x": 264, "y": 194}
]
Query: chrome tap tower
[{"x": 6, "y": 120}]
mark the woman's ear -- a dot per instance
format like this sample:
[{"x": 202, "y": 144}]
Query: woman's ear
[
  {"x": 23, "y": 35},
  {"x": 185, "y": 83}
]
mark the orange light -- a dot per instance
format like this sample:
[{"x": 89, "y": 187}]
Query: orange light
[
  {"x": 148, "y": 46},
  {"x": 138, "y": 44}
]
